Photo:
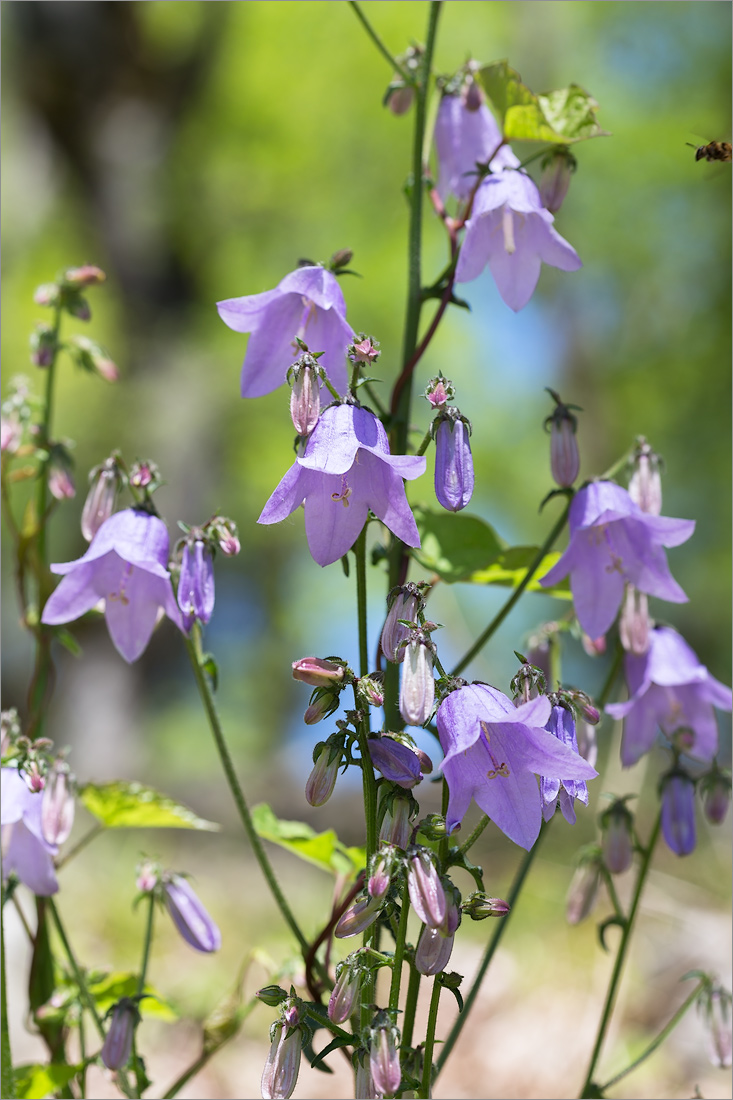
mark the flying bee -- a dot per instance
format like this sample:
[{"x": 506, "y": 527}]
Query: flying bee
[{"x": 714, "y": 150}]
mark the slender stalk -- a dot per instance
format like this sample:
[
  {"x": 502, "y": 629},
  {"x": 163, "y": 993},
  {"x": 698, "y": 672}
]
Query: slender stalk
[
  {"x": 192, "y": 647},
  {"x": 605, "y": 691},
  {"x": 504, "y": 611},
  {"x": 408, "y": 1020},
  {"x": 23, "y": 921},
  {"x": 657, "y": 1041},
  {"x": 79, "y": 977},
  {"x": 361, "y": 601},
  {"x": 399, "y": 954},
  {"x": 490, "y": 950},
  {"x": 408, "y": 79},
  {"x": 187, "y": 1075},
  {"x": 369, "y": 786},
  {"x": 427, "y": 1071},
  {"x": 474, "y": 835},
  {"x": 621, "y": 956},
  {"x": 82, "y": 843},
  {"x": 6, "y": 1065},
  {"x": 146, "y": 946}
]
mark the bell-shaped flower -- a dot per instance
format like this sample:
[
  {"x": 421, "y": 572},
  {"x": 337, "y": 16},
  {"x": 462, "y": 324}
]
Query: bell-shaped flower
[
  {"x": 189, "y": 915},
  {"x": 427, "y": 895},
  {"x": 493, "y": 750},
  {"x": 125, "y": 566},
  {"x": 463, "y": 139},
  {"x": 117, "y": 1046},
  {"x": 417, "y": 688},
  {"x": 613, "y": 542},
  {"x": 397, "y": 762},
  {"x": 384, "y": 1060},
  {"x": 394, "y": 633},
  {"x": 617, "y": 838},
  {"x": 322, "y": 779},
  {"x": 510, "y": 230},
  {"x": 358, "y": 917},
  {"x": 453, "y": 463},
  {"x": 196, "y": 583},
  {"x": 562, "y": 791},
  {"x": 433, "y": 951},
  {"x": 669, "y": 689},
  {"x": 280, "y": 1075},
  {"x": 308, "y": 304},
  {"x": 25, "y": 849},
  {"x": 345, "y": 994},
  {"x": 346, "y": 471},
  {"x": 678, "y": 813}
]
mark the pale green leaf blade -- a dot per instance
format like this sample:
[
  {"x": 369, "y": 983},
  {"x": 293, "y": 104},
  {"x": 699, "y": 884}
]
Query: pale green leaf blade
[
  {"x": 571, "y": 112},
  {"x": 108, "y": 988},
  {"x": 324, "y": 850},
  {"x": 124, "y": 805},
  {"x": 33, "y": 1082},
  {"x": 510, "y": 569},
  {"x": 453, "y": 545}
]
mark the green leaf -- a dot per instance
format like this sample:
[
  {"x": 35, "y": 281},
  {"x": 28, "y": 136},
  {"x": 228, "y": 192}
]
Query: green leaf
[
  {"x": 325, "y": 850},
  {"x": 107, "y": 989},
  {"x": 560, "y": 117},
  {"x": 68, "y": 641},
  {"x": 510, "y": 569},
  {"x": 33, "y": 1082},
  {"x": 211, "y": 669},
  {"x": 455, "y": 545},
  {"x": 123, "y": 805}
]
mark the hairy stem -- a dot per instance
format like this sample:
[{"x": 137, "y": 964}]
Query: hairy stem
[{"x": 427, "y": 1072}]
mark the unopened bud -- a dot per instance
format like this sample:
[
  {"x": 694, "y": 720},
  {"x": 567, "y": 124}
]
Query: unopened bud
[
  {"x": 271, "y": 995},
  {"x": 715, "y": 1006},
  {"x": 117, "y": 1046},
  {"x": 371, "y": 690},
  {"x": 384, "y": 1060},
  {"x": 471, "y": 94},
  {"x": 634, "y": 624},
  {"x": 196, "y": 582},
  {"x": 61, "y": 483},
  {"x": 583, "y": 891},
  {"x": 715, "y": 789},
  {"x": 358, "y": 917},
  {"x": 564, "y": 456},
  {"x": 479, "y": 906},
  {"x": 316, "y": 672},
  {"x": 34, "y": 778},
  {"x": 394, "y": 633},
  {"x": 417, "y": 690},
  {"x": 433, "y": 951},
  {"x": 399, "y": 98},
  {"x": 322, "y": 779},
  {"x": 43, "y": 345},
  {"x": 57, "y": 806},
  {"x": 341, "y": 258},
  {"x": 645, "y": 486},
  {"x": 380, "y": 877},
  {"x": 678, "y": 812},
  {"x": 396, "y": 827},
  {"x": 557, "y": 171},
  {"x": 323, "y": 703},
  {"x": 47, "y": 295},
  {"x": 100, "y": 502},
  {"x": 147, "y": 877},
  {"x": 86, "y": 275},
  {"x": 364, "y": 1087},
  {"x": 305, "y": 397},
  {"x": 229, "y": 544},
  {"x": 454, "y": 478},
  {"x": 143, "y": 474},
  {"x": 189, "y": 915},
  {"x": 427, "y": 895},
  {"x": 617, "y": 840},
  {"x": 280, "y": 1074},
  {"x": 345, "y": 995}
]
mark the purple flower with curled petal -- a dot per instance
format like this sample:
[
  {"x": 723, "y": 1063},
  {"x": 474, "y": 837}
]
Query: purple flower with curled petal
[
  {"x": 307, "y": 303},
  {"x": 196, "y": 583},
  {"x": 125, "y": 566},
  {"x": 463, "y": 139},
  {"x": 613, "y": 542},
  {"x": 346, "y": 470},
  {"x": 511, "y": 231},
  {"x": 24, "y": 847},
  {"x": 395, "y": 761},
  {"x": 189, "y": 915},
  {"x": 669, "y": 689},
  {"x": 493, "y": 750},
  {"x": 564, "y": 791}
]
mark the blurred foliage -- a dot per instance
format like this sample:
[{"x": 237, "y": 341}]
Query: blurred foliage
[{"x": 196, "y": 151}]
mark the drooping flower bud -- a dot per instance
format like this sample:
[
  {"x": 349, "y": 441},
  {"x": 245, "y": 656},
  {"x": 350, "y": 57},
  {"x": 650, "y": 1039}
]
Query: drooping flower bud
[
  {"x": 404, "y": 606},
  {"x": 433, "y": 951},
  {"x": 472, "y": 94},
  {"x": 358, "y": 917},
  {"x": 100, "y": 502},
  {"x": 715, "y": 1006},
  {"x": 196, "y": 583},
  {"x": 478, "y": 906},
  {"x": 317, "y": 673},
  {"x": 678, "y": 812},
  {"x": 189, "y": 915},
  {"x": 117, "y": 1046},
  {"x": 384, "y": 1059},
  {"x": 427, "y": 895},
  {"x": 345, "y": 995},
  {"x": 85, "y": 275},
  {"x": 229, "y": 544},
  {"x": 634, "y": 624},
  {"x": 557, "y": 171},
  {"x": 61, "y": 482},
  {"x": 322, "y": 779},
  {"x": 57, "y": 806},
  {"x": 381, "y": 874},
  {"x": 371, "y": 690},
  {"x": 395, "y": 761},
  {"x": 92, "y": 357},
  {"x": 453, "y": 460},
  {"x": 417, "y": 690},
  {"x": 617, "y": 841},
  {"x": 396, "y": 827},
  {"x": 645, "y": 486},
  {"x": 305, "y": 395},
  {"x": 280, "y": 1075},
  {"x": 715, "y": 788},
  {"x": 364, "y": 1087},
  {"x": 584, "y": 887},
  {"x": 564, "y": 456},
  {"x": 43, "y": 345},
  {"x": 148, "y": 874},
  {"x": 271, "y": 995},
  {"x": 399, "y": 98},
  {"x": 323, "y": 703}
]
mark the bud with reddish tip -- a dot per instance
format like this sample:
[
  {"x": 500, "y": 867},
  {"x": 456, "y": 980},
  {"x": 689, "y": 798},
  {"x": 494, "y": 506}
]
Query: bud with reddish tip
[
  {"x": 61, "y": 483},
  {"x": 564, "y": 456},
  {"x": 678, "y": 812},
  {"x": 634, "y": 624},
  {"x": 427, "y": 895},
  {"x": 479, "y": 906},
  {"x": 645, "y": 486},
  {"x": 594, "y": 647},
  {"x": 584, "y": 887},
  {"x": 144, "y": 475},
  {"x": 117, "y": 1046},
  {"x": 358, "y": 917},
  {"x": 617, "y": 841},
  {"x": 229, "y": 544},
  {"x": 305, "y": 395},
  {"x": 381, "y": 874},
  {"x": 189, "y": 915},
  {"x": 322, "y": 704},
  {"x": 417, "y": 690},
  {"x": 86, "y": 275},
  {"x": 405, "y": 606},
  {"x": 557, "y": 171},
  {"x": 384, "y": 1058},
  {"x": 280, "y": 1074},
  {"x": 715, "y": 788},
  {"x": 345, "y": 994},
  {"x": 365, "y": 351},
  {"x": 371, "y": 690},
  {"x": 317, "y": 673},
  {"x": 43, "y": 345},
  {"x": 439, "y": 391},
  {"x": 322, "y": 779},
  {"x": 57, "y": 805},
  {"x": 35, "y": 779},
  {"x": 148, "y": 874}
]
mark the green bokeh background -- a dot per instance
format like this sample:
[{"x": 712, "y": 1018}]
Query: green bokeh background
[{"x": 195, "y": 152}]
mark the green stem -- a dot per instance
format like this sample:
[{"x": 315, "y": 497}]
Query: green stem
[
  {"x": 399, "y": 955},
  {"x": 605, "y": 692},
  {"x": 656, "y": 1042},
  {"x": 369, "y": 787},
  {"x": 408, "y": 1021},
  {"x": 260, "y": 855},
  {"x": 79, "y": 977},
  {"x": 490, "y": 950},
  {"x": 621, "y": 955},
  {"x": 6, "y": 1065},
  {"x": 408, "y": 79},
  {"x": 427, "y": 1071},
  {"x": 146, "y": 947},
  {"x": 474, "y": 835},
  {"x": 504, "y": 611},
  {"x": 361, "y": 601},
  {"x": 93, "y": 832}
]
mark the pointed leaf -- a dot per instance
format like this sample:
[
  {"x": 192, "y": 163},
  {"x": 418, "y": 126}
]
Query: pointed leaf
[
  {"x": 33, "y": 1082},
  {"x": 563, "y": 116},
  {"x": 325, "y": 849},
  {"x": 123, "y": 805},
  {"x": 107, "y": 989},
  {"x": 455, "y": 545},
  {"x": 572, "y": 112},
  {"x": 510, "y": 569}
]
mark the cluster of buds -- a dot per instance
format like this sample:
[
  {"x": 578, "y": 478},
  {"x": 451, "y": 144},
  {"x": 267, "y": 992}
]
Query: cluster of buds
[
  {"x": 417, "y": 689},
  {"x": 33, "y": 756},
  {"x": 66, "y": 292},
  {"x": 564, "y": 456},
  {"x": 454, "y": 477},
  {"x": 18, "y": 412},
  {"x": 398, "y": 759},
  {"x": 617, "y": 836},
  {"x": 305, "y": 377},
  {"x": 177, "y": 896},
  {"x": 327, "y": 677},
  {"x": 280, "y": 1074}
]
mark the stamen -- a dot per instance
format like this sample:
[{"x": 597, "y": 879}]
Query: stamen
[
  {"x": 124, "y": 600},
  {"x": 343, "y": 496},
  {"x": 507, "y": 225}
]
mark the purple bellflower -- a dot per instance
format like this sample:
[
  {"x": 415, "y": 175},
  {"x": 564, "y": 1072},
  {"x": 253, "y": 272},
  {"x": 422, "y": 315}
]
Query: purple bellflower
[
  {"x": 669, "y": 689},
  {"x": 395, "y": 761},
  {"x": 189, "y": 915},
  {"x": 511, "y": 231},
  {"x": 492, "y": 749},
  {"x": 196, "y": 583},
  {"x": 346, "y": 470},
  {"x": 25, "y": 850},
  {"x": 562, "y": 791},
  {"x": 307, "y": 303},
  {"x": 612, "y": 542},
  {"x": 463, "y": 139},
  {"x": 125, "y": 566}
]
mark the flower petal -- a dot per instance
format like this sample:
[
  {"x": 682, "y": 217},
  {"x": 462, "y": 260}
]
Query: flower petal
[
  {"x": 332, "y": 526},
  {"x": 131, "y": 614},
  {"x": 31, "y": 860},
  {"x": 72, "y": 598},
  {"x": 271, "y": 348},
  {"x": 289, "y": 495}
]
